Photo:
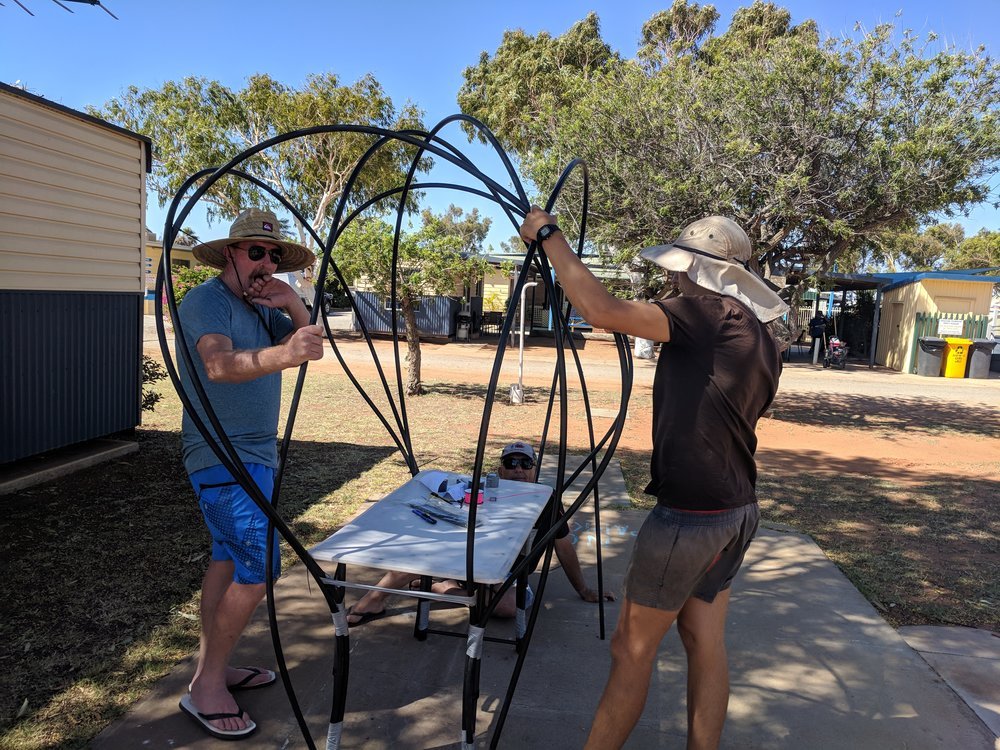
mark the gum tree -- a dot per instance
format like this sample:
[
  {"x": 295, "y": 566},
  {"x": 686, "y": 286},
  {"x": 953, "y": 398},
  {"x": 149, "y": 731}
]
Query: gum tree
[
  {"x": 814, "y": 145},
  {"x": 196, "y": 123},
  {"x": 444, "y": 252}
]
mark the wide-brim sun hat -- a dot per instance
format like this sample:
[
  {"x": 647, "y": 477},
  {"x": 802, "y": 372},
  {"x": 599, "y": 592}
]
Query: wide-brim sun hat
[
  {"x": 715, "y": 252},
  {"x": 255, "y": 224}
]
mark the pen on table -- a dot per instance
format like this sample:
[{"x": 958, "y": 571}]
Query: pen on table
[{"x": 423, "y": 515}]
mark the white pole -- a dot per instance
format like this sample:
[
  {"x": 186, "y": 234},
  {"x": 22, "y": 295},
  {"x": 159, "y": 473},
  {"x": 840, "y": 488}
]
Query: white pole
[{"x": 520, "y": 355}]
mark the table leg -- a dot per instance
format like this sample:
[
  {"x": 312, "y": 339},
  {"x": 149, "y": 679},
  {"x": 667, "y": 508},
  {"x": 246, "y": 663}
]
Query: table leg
[
  {"x": 341, "y": 668},
  {"x": 470, "y": 689},
  {"x": 423, "y": 611},
  {"x": 520, "y": 616}
]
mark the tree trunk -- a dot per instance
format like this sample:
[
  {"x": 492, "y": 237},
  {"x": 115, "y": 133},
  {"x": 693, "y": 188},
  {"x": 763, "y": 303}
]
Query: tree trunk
[{"x": 413, "y": 385}]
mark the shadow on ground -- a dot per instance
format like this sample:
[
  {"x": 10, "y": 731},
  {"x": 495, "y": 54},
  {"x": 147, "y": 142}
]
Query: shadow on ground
[
  {"x": 923, "y": 549},
  {"x": 885, "y": 413},
  {"x": 68, "y": 541}
]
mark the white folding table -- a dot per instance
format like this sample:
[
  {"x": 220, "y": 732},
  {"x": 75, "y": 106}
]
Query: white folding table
[{"x": 391, "y": 536}]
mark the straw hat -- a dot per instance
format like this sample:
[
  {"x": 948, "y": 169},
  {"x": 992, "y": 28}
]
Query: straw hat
[
  {"x": 715, "y": 253},
  {"x": 255, "y": 223}
]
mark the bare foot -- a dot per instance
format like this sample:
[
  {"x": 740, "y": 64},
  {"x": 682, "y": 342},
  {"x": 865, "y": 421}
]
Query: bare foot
[
  {"x": 447, "y": 587},
  {"x": 209, "y": 700},
  {"x": 236, "y": 677},
  {"x": 360, "y": 618}
]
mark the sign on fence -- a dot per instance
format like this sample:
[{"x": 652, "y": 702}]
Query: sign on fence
[{"x": 950, "y": 327}]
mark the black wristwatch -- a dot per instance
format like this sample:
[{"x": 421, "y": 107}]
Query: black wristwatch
[{"x": 546, "y": 231}]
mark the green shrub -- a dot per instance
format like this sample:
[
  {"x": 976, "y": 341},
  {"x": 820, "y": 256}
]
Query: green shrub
[
  {"x": 152, "y": 371},
  {"x": 339, "y": 296},
  {"x": 186, "y": 279}
]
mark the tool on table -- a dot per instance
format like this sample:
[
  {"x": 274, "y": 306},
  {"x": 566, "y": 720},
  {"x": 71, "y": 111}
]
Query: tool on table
[
  {"x": 444, "y": 515},
  {"x": 420, "y": 513}
]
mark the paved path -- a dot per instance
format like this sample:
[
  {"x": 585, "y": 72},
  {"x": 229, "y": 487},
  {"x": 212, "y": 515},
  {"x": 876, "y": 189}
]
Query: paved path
[{"x": 813, "y": 666}]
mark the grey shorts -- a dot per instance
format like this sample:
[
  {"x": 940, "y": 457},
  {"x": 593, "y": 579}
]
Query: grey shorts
[{"x": 679, "y": 554}]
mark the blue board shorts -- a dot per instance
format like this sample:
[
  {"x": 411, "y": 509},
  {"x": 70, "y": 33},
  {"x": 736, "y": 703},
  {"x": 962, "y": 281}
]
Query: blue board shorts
[
  {"x": 679, "y": 554},
  {"x": 237, "y": 525}
]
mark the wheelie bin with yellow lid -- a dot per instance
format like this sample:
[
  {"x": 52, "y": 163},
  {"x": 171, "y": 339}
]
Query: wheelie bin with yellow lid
[{"x": 956, "y": 354}]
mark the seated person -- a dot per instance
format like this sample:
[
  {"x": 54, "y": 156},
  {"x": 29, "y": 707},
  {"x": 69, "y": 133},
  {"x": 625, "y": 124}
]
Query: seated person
[{"x": 517, "y": 463}]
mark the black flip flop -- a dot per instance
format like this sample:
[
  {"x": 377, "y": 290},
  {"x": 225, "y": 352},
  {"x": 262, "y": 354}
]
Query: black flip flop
[
  {"x": 254, "y": 673},
  {"x": 187, "y": 706},
  {"x": 366, "y": 617}
]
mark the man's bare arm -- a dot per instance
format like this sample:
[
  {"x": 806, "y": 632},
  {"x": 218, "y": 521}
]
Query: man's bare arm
[
  {"x": 589, "y": 296},
  {"x": 223, "y": 364}
]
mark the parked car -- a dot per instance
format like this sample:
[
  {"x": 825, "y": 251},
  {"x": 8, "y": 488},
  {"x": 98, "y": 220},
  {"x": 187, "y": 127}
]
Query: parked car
[{"x": 305, "y": 289}]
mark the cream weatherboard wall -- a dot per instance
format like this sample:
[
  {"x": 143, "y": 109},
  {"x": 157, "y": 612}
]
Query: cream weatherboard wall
[
  {"x": 901, "y": 305},
  {"x": 72, "y": 239},
  {"x": 72, "y": 201}
]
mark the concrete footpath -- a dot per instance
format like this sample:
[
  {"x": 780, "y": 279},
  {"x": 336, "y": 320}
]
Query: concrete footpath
[{"x": 813, "y": 666}]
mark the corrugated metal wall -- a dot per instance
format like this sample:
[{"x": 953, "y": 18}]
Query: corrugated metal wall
[
  {"x": 436, "y": 316},
  {"x": 69, "y": 368}
]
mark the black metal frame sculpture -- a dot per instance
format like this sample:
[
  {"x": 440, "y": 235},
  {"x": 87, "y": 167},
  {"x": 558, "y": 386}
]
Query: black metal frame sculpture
[{"x": 513, "y": 205}]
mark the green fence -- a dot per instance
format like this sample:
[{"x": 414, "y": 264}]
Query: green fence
[{"x": 926, "y": 324}]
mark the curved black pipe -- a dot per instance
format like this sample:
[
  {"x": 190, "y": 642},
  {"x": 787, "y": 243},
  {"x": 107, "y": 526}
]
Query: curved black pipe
[{"x": 423, "y": 142}]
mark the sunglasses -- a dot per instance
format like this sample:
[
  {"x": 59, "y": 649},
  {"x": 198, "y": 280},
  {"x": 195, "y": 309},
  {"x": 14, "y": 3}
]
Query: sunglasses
[
  {"x": 256, "y": 252},
  {"x": 513, "y": 462}
]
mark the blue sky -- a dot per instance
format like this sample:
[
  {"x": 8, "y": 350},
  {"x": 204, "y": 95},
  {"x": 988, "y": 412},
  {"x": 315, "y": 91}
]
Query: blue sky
[{"x": 417, "y": 51}]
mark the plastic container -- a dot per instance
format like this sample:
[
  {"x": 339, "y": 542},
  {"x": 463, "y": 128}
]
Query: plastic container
[
  {"x": 492, "y": 484},
  {"x": 956, "y": 355},
  {"x": 980, "y": 354},
  {"x": 929, "y": 356}
]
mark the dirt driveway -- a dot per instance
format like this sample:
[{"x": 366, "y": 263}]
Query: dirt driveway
[{"x": 869, "y": 422}]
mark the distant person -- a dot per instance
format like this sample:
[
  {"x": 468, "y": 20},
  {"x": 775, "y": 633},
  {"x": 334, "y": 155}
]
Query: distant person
[
  {"x": 243, "y": 328},
  {"x": 518, "y": 464},
  {"x": 817, "y": 329},
  {"x": 717, "y": 374}
]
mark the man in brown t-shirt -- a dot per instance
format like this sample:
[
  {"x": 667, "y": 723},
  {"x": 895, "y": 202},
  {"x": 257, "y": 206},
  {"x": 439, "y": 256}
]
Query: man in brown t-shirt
[{"x": 717, "y": 373}]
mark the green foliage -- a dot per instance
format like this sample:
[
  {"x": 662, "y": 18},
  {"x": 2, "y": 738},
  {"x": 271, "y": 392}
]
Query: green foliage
[
  {"x": 982, "y": 250},
  {"x": 196, "y": 123},
  {"x": 442, "y": 253},
  {"x": 494, "y": 302},
  {"x": 530, "y": 80},
  {"x": 185, "y": 279},
  {"x": 937, "y": 247},
  {"x": 152, "y": 372},
  {"x": 815, "y": 146},
  {"x": 339, "y": 297},
  {"x": 676, "y": 32}
]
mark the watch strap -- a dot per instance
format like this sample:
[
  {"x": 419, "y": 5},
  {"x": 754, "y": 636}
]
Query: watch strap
[{"x": 546, "y": 231}]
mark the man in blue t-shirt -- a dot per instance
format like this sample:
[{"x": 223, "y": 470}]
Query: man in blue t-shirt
[
  {"x": 717, "y": 374},
  {"x": 242, "y": 328}
]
